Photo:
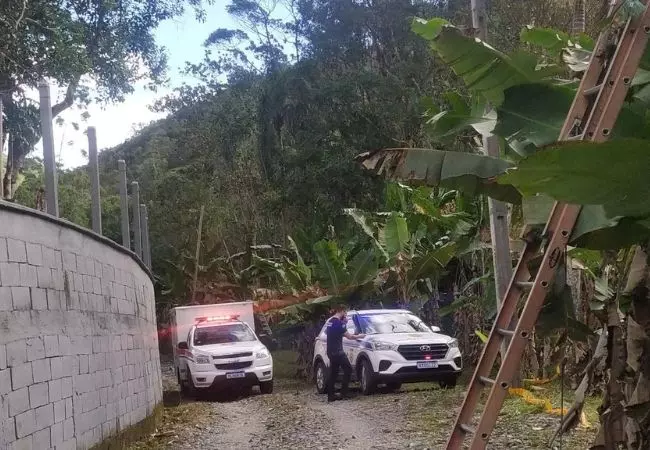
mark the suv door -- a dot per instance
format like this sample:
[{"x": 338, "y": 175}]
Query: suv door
[
  {"x": 351, "y": 346},
  {"x": 320, "y": 346}
]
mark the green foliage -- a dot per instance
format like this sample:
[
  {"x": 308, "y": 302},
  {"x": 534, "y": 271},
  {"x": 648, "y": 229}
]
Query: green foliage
[
  {"x": 574, "y": 172},
  {"x": 549, "y": 39},
  {"x": 83, "y": 46},
  {"x": 394, "y": 235},
  {"x": 525, "y": 128},
  {"x": 467, "y": 172},
  {"x": 442, "y": 125},
  {"x": 576, "y": 176},
  {"x": 484, "y": 69}
]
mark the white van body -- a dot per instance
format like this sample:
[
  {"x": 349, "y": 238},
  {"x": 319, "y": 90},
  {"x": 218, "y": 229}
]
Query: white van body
[{"x": 215, "y": 347}]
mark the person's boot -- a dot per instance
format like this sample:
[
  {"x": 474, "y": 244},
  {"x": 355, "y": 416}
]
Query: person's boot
[{"x": 346, "y": 394}]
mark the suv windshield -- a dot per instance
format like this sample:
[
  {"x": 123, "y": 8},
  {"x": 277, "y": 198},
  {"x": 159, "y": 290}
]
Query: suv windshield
[
  {"x": 223, "y": 334},
  {"x": 391, "y": 323}
]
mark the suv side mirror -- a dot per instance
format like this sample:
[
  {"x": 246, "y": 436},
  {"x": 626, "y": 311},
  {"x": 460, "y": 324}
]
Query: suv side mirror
[
  {"x": 435, "y": 329},
  {"x": 182, "y": 346}
]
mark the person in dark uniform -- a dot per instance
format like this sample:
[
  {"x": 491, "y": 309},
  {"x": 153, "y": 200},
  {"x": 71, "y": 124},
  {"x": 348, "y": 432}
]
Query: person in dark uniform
[{"x": 336, "y": 329}]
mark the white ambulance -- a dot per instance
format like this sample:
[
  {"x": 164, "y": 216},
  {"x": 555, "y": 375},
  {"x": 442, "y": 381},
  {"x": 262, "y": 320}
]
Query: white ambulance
[{"x": 216, "y": 348}]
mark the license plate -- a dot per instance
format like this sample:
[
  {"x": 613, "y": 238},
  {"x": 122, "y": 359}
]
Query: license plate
[
  {"x": 427, "y": 364},
  {"x": 235, "y": 375}
]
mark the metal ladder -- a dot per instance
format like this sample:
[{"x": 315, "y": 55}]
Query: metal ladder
[{"x": 592, "y": 117}]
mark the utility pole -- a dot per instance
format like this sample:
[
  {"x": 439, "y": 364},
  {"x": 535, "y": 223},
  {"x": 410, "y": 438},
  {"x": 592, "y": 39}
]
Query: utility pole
[
  {"x": 51, "y": 189},
  {"x": 124, "y": 205},
  {"x": 500, "y": 237},
  {"x": 95, "y": 189},
  {"x": 137, "y": 226}
]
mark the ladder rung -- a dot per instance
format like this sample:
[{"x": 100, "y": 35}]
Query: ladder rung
[
  {"x": 486, "y": 381},
  {"x": 524, "y": 284},
  {"x": 593, "y": 90},
  {"x": 467, "y": 428},
  {"x": 504, "y": 332},
  {"x": 577, "y": 137}
]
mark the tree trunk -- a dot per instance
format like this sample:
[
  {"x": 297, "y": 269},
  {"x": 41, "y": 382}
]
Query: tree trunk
[
  {"x": 578, "y": 23},
  {"x": 24, "y": 132},
  {"x": 197, "y": 254}
]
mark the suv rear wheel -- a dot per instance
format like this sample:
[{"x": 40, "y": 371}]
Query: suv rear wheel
[
  {"x": 393, "y": 386},
  {"x": 368, "y": 382},
  {"x": 321, "y": 377}
]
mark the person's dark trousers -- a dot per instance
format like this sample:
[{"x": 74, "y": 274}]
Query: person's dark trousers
[{"x": 336, "y": 361}]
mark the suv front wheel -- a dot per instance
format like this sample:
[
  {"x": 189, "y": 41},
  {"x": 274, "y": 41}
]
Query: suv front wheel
[
  {"x": 266, "y": 387},
  {"x": 449, "y": 382},
  {"x": 187, "y": 387},
  {"x": 368, "y": 382},
  {"x": 321, "y": 377}
]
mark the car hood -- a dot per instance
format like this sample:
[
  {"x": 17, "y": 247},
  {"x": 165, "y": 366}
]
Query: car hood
[
  {"x": 230, "y": 348},
  {"x": 411, "y": 338}
]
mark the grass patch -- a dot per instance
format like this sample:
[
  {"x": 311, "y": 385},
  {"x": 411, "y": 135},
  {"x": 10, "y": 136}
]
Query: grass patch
[
  {"x": 520, "y": 424},
  {"x": 285, "y": 364},
  {"x": 173, "y": 421},
  {"x": 553, "y": 393},
  {"x": 535, "y": 427}
]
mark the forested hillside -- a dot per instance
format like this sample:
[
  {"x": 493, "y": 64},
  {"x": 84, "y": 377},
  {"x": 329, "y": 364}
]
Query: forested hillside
[
  {"x": 266, "y": 140},
  {"x": 334, "y": 147}
]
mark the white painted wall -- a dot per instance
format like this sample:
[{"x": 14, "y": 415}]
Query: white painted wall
[{"x": 78, "y": 341}]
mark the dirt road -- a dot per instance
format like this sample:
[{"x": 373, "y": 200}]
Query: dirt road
[{"x": 295, "y": 417}]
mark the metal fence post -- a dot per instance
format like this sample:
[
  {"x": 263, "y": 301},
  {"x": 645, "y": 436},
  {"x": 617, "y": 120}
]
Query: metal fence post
[
  {"x": 93, "y": 168},
  {"x": 137, "y": 226},
  {"x": 124, "y": 205},
  {"x": 51, "y": 194},
  {"x": 146, "y": 250}
]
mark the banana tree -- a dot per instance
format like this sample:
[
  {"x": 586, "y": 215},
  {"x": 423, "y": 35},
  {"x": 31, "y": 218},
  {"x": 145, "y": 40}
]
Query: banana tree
[
  {"x": 418, "y": 239},
  {"x": 512, "y": 83},
  {"x": 584, "y": 173},
  {"x": 610, "y": 181}
]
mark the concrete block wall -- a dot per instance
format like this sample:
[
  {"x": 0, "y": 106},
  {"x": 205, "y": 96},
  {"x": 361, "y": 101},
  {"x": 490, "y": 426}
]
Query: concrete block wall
[{"x": 79, "y": 355}]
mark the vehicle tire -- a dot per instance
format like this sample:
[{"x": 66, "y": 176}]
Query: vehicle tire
[
  {"x": 393, "y": 386},
  {"x": 266, "y": 387},
  {"x": 190, "y": 390},
  {"x": 246, "y": 391},
  {"x": 320, "y": 377},
  {"x": 180, "y": 382},
  {"x": 448, "y": 383},
  {"x": 368, "y": 381}
]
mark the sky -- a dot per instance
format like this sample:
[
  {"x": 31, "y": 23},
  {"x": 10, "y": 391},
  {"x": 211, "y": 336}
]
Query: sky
[{"x": 183, "y": 37}]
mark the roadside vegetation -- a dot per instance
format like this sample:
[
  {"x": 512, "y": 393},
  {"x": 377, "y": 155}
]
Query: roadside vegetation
[{"x": 334, "y": 147}]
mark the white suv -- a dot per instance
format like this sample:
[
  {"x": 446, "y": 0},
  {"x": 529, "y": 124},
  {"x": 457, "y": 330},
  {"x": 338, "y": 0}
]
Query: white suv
[
  {"x": 221, "y": 353},
  {"x": 398, "y": 348}
]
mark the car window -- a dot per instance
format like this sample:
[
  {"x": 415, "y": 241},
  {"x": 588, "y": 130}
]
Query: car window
[
  {"x": 223, "y": 334},
  {"x": 322, "y": 330},
  {"x": 350, "y": 327},
  {"x": 392, "y": 323}
]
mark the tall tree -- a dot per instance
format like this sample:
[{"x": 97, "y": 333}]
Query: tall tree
[{"x": 94, "y": 50}]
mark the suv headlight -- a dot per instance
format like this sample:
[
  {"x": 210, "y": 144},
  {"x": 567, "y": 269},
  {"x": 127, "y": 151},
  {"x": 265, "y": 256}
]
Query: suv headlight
[
  {"x": 453, "y": 343},
  {"x": 381, "y": 345},
  {"x": 262, "y": 354},
  {"x": 202, "y": 359}
]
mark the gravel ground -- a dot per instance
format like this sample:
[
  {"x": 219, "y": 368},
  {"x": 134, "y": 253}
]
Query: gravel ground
[{"x": 295, "y": 417}]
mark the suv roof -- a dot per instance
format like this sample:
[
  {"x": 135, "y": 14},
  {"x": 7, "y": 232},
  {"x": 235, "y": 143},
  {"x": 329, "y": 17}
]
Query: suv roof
[{"x": 379, "y": 311}]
